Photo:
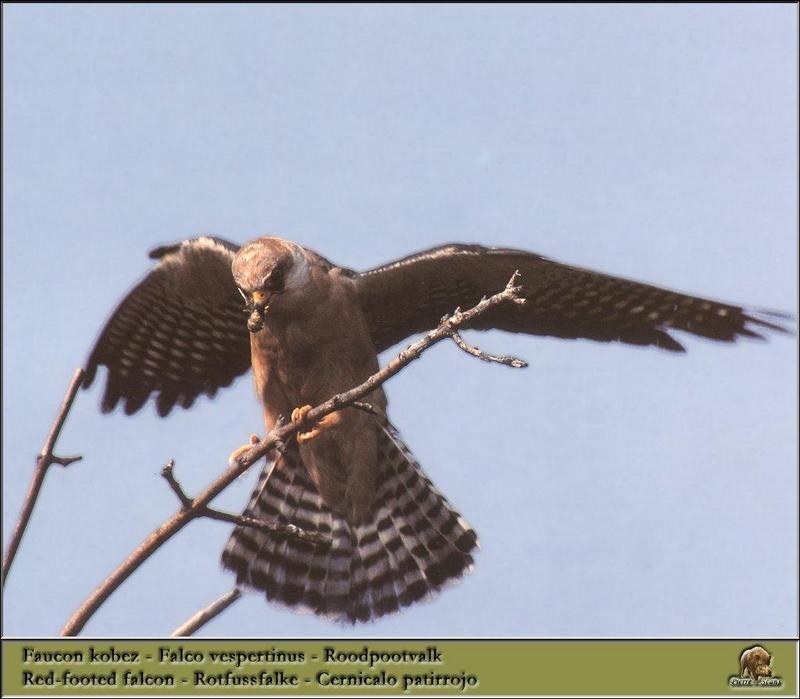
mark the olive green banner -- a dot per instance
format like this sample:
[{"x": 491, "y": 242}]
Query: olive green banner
[{"x": 397, "y": 668}]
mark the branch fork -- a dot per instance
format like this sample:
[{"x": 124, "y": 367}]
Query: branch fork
[
  {"x": 276, "y": 439},
  {"x": 45, "y": 459},
  {"x": 511, "y": 293},
  {"x": 188, "y": 505}
]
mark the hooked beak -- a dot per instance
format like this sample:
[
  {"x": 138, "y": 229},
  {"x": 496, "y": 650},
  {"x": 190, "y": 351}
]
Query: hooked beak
[{"x": 258, "y": 308}]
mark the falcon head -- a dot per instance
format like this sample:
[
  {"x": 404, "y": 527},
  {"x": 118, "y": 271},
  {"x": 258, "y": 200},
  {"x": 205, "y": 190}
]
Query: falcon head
[{"x": 268, "y": 271}]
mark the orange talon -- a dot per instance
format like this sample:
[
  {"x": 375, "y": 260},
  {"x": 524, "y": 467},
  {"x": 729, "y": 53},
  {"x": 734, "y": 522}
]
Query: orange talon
[
  {"x": 237, "y": 453},
  {"x": 299, "y": 415}
]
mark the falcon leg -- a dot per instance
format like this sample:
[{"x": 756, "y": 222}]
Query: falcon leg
[
  {"x": 237, "y": 453},
  {"x": 299, "y": 415}
]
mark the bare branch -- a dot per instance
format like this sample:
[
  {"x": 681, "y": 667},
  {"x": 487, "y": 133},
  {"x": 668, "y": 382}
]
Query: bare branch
[
  {"x": 508, "y": 295},
  {"x": 44, "y": 460},
  {"x": 168, "y": 475},
  {"x": 206, "y": 614},
  {"x": 366, "y": 407},
  {"x": 485, "y": 356},
  {"x": 274, "y": 527},
  {"x": 64, "y": 460},
  {"x": 277, "y": 436},
  {"x": 187, "y": 504}
]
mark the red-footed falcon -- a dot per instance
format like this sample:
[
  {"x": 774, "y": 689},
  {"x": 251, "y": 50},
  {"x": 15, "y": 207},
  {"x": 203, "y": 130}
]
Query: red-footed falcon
[{"x": 313, "y": 329}]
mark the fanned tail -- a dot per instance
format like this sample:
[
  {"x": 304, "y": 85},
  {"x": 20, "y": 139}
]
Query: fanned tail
[{"x": 413, "y": 543}]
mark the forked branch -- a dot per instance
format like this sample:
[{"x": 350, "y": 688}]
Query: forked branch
[
  {"x": 44, "y": 460},
  {"x": 197, "y": 507},
  {"x": 242, "y": 520}
]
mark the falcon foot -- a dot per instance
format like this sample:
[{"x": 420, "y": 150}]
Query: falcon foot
[
  {"x": 299, "y": 415},
  {"x": 237, "y": 453}
]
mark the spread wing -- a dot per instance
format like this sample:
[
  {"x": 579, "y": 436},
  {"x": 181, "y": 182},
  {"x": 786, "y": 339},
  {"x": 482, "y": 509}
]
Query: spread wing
[
  {"x": 411, "y": 295},
  {"x": 179, "y": 333}
]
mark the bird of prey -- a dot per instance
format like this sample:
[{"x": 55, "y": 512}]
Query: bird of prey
[{"x": 311, "y": 329}]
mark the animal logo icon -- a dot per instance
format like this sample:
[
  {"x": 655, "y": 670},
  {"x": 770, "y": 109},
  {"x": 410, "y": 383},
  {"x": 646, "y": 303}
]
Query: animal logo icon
[{"x": 755, "y": 663}]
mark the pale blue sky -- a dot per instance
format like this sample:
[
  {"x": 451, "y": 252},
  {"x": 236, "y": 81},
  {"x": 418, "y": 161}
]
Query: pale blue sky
[{"x": 617, "y": 491}]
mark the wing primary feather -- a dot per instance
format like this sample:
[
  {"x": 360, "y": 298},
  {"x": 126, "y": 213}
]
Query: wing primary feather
[
  {"x": 172, "y": 334},
  {"x": 411, "y": 295}
]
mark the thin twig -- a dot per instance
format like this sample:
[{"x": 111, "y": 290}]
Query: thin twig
[
  {"x": 366, "y": 407},
  {"x": 206, "y": 614},
  {"x": 273, "y": 527},
  {"x": 168, "y": 472},
  {"x": 44, "y": 460},
  {"x": 485, "y": 356},
  {"x": 168, "y": 476},
  {"x": 279, "y": 434}
]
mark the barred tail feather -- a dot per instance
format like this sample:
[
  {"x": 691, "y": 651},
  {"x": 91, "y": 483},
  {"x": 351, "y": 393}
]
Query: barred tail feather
[{"x": 409, "y": 548}]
